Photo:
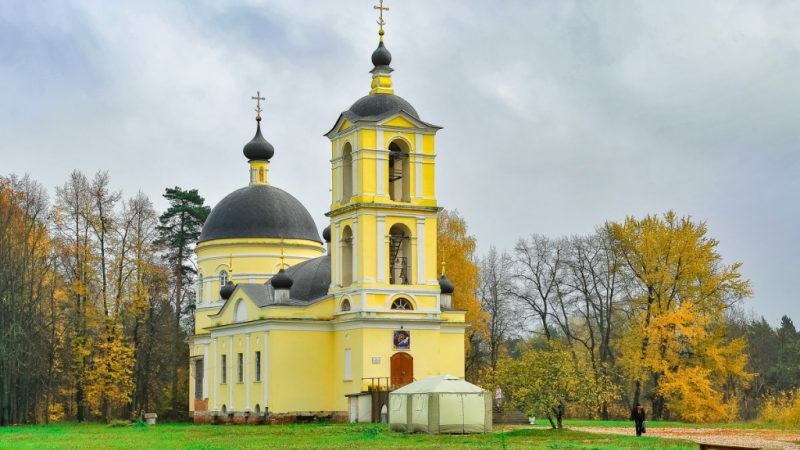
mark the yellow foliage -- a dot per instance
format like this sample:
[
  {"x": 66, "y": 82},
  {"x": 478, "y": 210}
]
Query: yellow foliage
[
  {"x": 676, "y": 339},
  {"x": 56, "y": 412},
  {"x": 457, "y": 249},
  {"x": 692, "y": 395},
  {"x": 110, "y": 380},
  {"x": 544, "y": 382},
  {"x": 782, "y": 409}
]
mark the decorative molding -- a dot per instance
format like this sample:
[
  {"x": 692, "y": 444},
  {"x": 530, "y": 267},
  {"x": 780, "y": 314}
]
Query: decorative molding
[
  {"x": 398, "y": 206},
  {"x": 420, "y": 250}
]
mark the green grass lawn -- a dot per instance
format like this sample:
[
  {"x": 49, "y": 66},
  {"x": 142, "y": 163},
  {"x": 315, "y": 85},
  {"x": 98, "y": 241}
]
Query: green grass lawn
[{"x": 163, "y": 436}]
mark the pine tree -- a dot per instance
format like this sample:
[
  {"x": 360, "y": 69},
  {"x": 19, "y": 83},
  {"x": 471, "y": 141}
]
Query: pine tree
[{"x": 179, "y": 231}]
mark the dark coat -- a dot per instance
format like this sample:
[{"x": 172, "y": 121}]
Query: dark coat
[{"x": 637, "y": 414}]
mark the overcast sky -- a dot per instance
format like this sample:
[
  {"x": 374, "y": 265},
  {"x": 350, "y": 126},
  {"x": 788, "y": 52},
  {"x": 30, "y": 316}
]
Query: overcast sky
[{"x": 557, "y": 115}]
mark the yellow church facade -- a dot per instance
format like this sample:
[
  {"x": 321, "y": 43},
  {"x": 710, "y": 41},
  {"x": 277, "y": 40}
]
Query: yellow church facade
[{"x": 288, "y": 325}]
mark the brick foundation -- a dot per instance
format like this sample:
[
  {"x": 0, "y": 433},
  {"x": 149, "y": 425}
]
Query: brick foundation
[{"x": 251, "y": 418}]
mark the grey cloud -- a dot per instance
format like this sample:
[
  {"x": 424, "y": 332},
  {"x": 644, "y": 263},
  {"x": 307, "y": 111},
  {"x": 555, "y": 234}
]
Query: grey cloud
[{"x": 558, "y": 115}]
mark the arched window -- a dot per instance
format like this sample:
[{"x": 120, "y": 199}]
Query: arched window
[
  {"x": 223, "y": 278},
  {"x": 399, "y": 255},
  {"x": 399, "y": 172},
  {"x": 402, "y": 304},
  {"x": 258, "y": 408},
  {"x": 347, "y": 256},
  {"x": 240, "y": 314},
  {"x": 345, "y": 305},
  {"x": 347, "y": 172},
  {"x": 224, "y": 409}
]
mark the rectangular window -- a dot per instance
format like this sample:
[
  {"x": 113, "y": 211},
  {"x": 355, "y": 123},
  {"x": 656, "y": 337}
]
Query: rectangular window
[
  {"x": 198, "y": 379},
  {"x": 348, "y": 365},
  {"x": 239, "y": 367},
  {"x": 258, "y": 366},
  {"x": 224, "y": 366}
]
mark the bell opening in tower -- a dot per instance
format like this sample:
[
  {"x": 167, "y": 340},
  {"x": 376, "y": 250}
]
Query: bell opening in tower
[
  {"x": 399, "y": 179},
  {"x": 347, "y": 256},
  {"x": 399, "y": 254},
  {"x": 347, "y": 172}
]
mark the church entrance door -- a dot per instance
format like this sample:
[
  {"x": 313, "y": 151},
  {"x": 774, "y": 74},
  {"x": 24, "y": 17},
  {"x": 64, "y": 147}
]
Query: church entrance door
[{"x": 402, "y": 369}]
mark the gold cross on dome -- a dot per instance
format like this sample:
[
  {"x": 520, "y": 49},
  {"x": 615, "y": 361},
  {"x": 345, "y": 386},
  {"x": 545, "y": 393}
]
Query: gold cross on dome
[
  {"x": 381, "y": 22},
  {"x": 258, "y": 99}
]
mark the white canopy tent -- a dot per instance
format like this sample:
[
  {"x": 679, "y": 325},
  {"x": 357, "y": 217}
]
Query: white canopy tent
[{"x": 440, "y": 404}]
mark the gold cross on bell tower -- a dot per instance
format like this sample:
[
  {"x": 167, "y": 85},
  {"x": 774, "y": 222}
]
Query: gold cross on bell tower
[
  {"x": 381, "y": 22},
  {"x": 258, "y": 109}
]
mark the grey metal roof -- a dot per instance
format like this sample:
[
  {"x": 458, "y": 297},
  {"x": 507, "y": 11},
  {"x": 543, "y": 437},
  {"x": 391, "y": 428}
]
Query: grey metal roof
[
  {"x": 311, "y": 278},
  {"x": 259, "y": 211},
  {"x": 378, "y": 106},
  {"x": 256, "y": 291}
]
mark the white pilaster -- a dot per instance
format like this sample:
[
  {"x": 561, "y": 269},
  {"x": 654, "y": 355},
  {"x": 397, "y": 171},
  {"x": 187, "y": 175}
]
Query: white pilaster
[
  {"x": 265, "y": 373},
  {"x": 339, "y": 169},
  {"x": 356, "y": 232},
  {"x": 414, "y": 251},
  {"x": 247, "y": 372},
  {"x": 337, "y": 262},
  {"x": 357, "y": 155},
  {"x": 230, "y": 373},
  {"x": 381, "y": 247},
  {"x": 418, "y": 168},
  {"x": 215, "y": 356},
  {"x": 379, "y": 162},
  {"x": 421, "y": 251}
]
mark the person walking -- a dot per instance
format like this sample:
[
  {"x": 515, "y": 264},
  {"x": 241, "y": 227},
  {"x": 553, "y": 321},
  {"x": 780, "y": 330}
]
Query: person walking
[{"x": 637, "y": 416}]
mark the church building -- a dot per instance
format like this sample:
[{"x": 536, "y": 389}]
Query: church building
[{"x": 288, "y": 325}]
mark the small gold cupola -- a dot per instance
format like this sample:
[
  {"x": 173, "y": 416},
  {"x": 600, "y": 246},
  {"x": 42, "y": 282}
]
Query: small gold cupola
[{"x": 258, "y": 151}]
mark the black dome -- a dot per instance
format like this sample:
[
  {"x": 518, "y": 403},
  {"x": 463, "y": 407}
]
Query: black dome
[
  {"x": 258, "y": 148},
  {"x": 226, "y": 291},
  {"x": 311, "y": 278},
  {"x": 281, "y": 280},
  {"x": 259, "y": 211},
  {"x": 326, "y": 234},
  {"x": 381, "y": 56},
  {"x": 380, "y": 105},
  {"x": 446, "y": 285}
]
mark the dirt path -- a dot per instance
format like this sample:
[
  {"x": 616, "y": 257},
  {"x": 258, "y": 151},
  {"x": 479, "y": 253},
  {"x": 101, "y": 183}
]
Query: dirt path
[{"x": 768, "y": 439}]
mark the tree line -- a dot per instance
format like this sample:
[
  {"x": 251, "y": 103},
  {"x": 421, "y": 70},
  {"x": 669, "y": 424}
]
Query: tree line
[
  {"x": 640, "y": 311},
  {"x": 95, "y": 300}
]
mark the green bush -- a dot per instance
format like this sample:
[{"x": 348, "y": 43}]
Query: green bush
[{"x": 119, "y": 423}]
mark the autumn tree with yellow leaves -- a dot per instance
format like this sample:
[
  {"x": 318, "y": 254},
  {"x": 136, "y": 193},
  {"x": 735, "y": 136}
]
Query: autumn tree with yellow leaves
[
  {"x": 674, "y": 350},
  {"x": 456, "y": 250}
]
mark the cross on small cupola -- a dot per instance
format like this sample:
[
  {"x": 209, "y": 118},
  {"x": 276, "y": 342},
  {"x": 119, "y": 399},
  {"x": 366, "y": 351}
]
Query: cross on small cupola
[
  {"x": 381, "y": 58},
  {"x": 258, "y": 109},
  {"x": 258, "y": 151},
  {"x": 381, "y": 22}
]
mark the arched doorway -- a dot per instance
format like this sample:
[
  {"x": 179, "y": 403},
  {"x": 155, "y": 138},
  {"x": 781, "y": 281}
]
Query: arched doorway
[{"x": 402, "y": 369}]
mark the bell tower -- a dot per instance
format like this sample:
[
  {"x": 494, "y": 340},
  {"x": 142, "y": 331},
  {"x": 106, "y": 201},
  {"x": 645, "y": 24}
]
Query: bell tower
[{"x": 383, "y": 205}]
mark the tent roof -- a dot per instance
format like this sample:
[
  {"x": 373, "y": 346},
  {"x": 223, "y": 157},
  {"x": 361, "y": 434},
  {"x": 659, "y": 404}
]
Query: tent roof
[{"x": 447, "y": 384}]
